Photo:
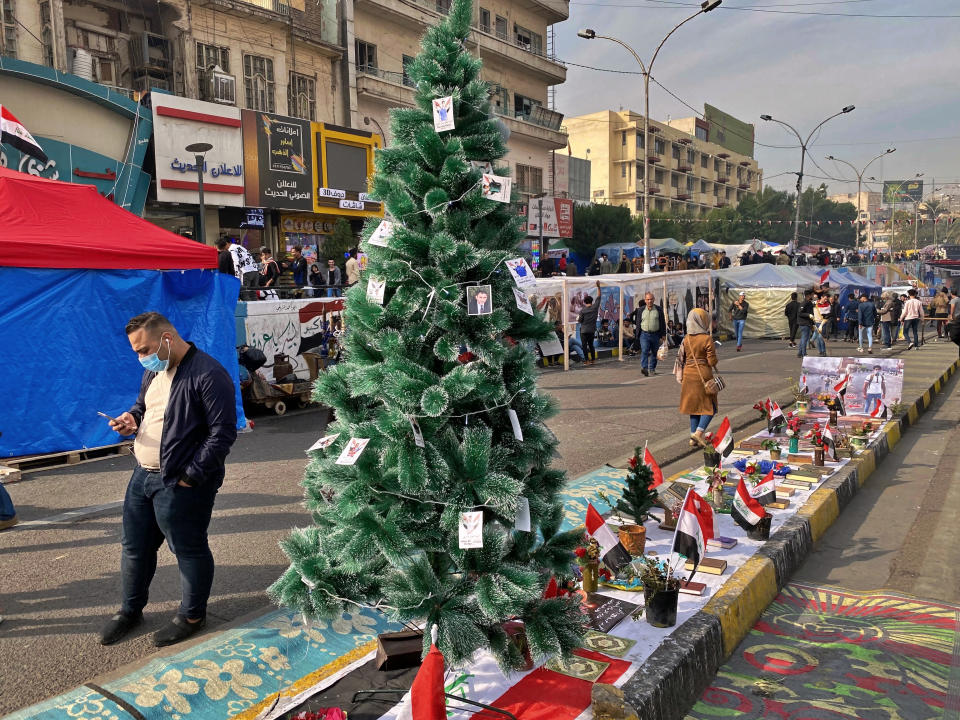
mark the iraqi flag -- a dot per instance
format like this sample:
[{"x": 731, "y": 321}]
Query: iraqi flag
[
  {"x": 654, "y": 468},
  {"x": 765, "y": 491},
  {"x": 746, "y": 510},
  {"x": 426, "y": 700},
  {"x": 775, "y": 416},
  {"x": 880, "y": 411},
  {"x": 614, "y": 555},
  {"x": 841, "y": 390},
  {"x": 694, "y": 528},
  {"x": 723, "y": 439},
  {"x": 830, "y": 441},
  {"x": 824, "y": 278},
  {"x": 15, "y": 134}
]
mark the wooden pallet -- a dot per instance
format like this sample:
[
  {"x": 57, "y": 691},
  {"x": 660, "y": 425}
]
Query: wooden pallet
[{"x": 32, "y": 463}]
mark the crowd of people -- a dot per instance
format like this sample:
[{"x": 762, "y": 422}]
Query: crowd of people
[
  {"x": 263, "y": 276},
  {"x": 821, "y": 258}
]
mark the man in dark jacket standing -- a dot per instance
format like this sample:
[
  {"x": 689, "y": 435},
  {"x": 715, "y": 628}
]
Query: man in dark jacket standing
[
  {"x": 805, "y": 321},
  {"x": 791, "y": 310},
  {"x": 866, "y": 317},
  {"x": 588, "y": 326},
  {"x": 185, "y": 422},
  {"x": 651, "y": 329}
]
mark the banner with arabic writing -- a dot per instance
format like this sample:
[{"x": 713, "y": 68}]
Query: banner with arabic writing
[{"x": 279, "y": 160}]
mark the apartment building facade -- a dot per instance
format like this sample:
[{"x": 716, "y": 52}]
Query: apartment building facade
[{"x": 688, "y": 173}]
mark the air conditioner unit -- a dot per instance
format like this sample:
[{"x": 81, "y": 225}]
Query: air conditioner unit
[{"x": 217, "y": 86}]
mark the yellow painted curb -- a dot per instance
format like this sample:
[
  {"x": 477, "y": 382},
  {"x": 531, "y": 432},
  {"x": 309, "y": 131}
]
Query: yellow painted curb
[
  {"x": 926, "y": 398},
  {"x": 913, "y": 414},
  {"x": 821, "y": 509},
  {"x": 742, "y": 599},
  {"x": 866, "y": 465},
  {"x": 936, "y": 385},
  {"x": 893, "y": 434}
]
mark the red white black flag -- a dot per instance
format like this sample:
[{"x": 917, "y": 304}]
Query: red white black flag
[
  {"x": 880, "y": 411},
  {"x": 824, "y": 277},
  {"x": 723, "y": 438},
  {"x": 829, "y": 440},
  {"x": 776, "y": 415},
  {"x": 841, "y": 390},
  {"x": 654, "y": 468},
  {"x": 765, "y": 492},
  {"x": 614, "y": 555},
  {"x": 694, "y": 528},
  {"x": 746, "y": 511},
  {"x": 14, "y": 133}
]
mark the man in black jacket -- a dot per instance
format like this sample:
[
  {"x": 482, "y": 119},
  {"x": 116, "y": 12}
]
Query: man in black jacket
[
  {"x": 650, "y": 329},
  {"x": 185, "y": 422},
  {"x": 805, "y": 321},
  {"x": 793, "y": 307}
]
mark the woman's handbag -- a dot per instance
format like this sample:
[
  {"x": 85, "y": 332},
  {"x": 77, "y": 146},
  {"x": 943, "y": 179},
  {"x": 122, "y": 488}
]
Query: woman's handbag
[{"x": 714, "y": 385}]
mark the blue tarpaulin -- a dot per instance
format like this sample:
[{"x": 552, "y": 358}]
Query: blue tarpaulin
[{"x": 64, "y": 354}]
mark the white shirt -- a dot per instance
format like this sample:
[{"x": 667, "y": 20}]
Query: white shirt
[
  {"x": 243, "y": 261},
  {"x": 912, "y": 309},
  {"x": 146, "y": 447},
  {"x": 875, "y": 384}
]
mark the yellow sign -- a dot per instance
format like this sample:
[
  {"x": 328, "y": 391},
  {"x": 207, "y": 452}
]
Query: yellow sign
[{"x": 342, "y": 168}]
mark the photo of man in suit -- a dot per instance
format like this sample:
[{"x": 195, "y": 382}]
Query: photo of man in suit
[{"x": 479, "y": 300}]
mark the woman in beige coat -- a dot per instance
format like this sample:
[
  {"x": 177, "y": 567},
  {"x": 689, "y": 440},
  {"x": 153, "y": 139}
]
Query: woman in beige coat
[{"x": 698, "y": 357}]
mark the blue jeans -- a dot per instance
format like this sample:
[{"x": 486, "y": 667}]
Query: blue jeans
[
  {"x": 181, "y": 515},
  {"x": 911, "y": 325},
  {"x": 575, "y": 346},
  {"x": 870, "y": 403},
  {"x": 333, "y": 292},
  {"x": 868, "y": 332},
  {"x": 699, "y": 422},
  {"x": 738, "y": 329},
  {"x": 885, "y": 332},
  {"x": 805, "y": 331},
  {"x": 649, "y": 344}
]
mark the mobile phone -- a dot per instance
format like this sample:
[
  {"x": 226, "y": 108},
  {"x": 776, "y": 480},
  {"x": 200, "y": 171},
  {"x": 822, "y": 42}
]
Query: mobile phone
[{"x": 108, "y": 417}]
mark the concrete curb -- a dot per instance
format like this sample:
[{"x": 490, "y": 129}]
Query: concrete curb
[{"x": 679, "y": 671}]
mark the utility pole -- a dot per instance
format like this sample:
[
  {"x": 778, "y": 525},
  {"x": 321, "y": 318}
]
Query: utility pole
[{"x": 860, "y": 174}]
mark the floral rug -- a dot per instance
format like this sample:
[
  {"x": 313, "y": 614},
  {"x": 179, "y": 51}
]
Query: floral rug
[
  {"x": 237, "y": 673},
  {"x": 828, "y": 654}
]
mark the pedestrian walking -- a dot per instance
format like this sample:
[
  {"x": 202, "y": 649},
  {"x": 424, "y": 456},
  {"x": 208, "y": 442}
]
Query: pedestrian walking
[
  {"x": 851, "y": 316},
  {"x": 245, "y": 268},
  {"x": 224, "y": 259},
  {"x": 696, "y": 360},
  {"x": 185, "y": 422},
  {"x": 652, "y": 327},
  {"x": 588, "y": 326},
  {"x": 912, "y": 317},
  {"x": 739, "y": 315},
  {"x": 895, "y": 314},
  {"x": 886, "y": 319},
  {"x": 791, "y": 310},
  {"x": 939, "y": 307},
  {"x": 298, "y": 266},
  {"x": 866, "y": 317},
  {"x": 806, "y": 319},
  {"x": 352, "y": 268}
]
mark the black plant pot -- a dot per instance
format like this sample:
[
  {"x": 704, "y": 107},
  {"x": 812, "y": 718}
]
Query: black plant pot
[
  {"x": 761, "y": 531},
  {"x": 661, "y": 607},
  {"x": 711, "y": 458}
]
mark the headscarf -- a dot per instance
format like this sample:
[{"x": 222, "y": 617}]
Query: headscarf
[{"x": 698, "y": 322}]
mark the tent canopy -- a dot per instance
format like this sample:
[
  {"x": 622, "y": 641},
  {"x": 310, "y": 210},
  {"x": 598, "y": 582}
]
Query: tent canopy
[
  {"x": 764, "y": 275},
  {"x": 703, "y": 246},
  {"x": 51, "y": 224},
  {"x": 615, "y": 250},
  {"x": 666, "y": 245}
]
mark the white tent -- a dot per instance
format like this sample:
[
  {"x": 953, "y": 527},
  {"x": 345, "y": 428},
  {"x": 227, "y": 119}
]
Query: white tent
[{"x": 767, "y": 288}]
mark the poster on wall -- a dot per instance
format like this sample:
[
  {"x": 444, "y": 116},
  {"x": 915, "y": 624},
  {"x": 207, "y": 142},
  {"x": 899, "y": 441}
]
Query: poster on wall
[
  {"x": 866, "y": 381},
  {"x": 279, "y": 161}
]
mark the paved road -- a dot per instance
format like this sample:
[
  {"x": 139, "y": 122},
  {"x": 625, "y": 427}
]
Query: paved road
[
  {"x": 830, "y": 646},
  {"x": 60, "y": 579}
]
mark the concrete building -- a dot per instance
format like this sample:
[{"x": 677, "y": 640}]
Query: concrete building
[
  {"x": 869, "y": 201},
  {"x": 514, "y": 40},
  {"x": 687, "y": 173},
  {"x": 720, "y": 128}
]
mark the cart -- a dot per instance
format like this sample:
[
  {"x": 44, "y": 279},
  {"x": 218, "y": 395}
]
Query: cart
[{"x": 278, "y": 396}]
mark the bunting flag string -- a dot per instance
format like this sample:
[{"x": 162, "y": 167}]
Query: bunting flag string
[{"x": 909, "y": 222}]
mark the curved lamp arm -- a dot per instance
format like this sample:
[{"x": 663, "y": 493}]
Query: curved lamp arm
[
  {"x": 629, "y": 49},
  {"x": 657, "y": 51}
]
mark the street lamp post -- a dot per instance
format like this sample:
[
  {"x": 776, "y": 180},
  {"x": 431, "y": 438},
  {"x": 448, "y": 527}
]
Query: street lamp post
[
  {"x": 803, "y": 155},
  {"x": 589, "y": 34},
  {"x": 199, "y": 150},
  {"x": 897, "y": 192},
  {"x": 860, "y": 174}
]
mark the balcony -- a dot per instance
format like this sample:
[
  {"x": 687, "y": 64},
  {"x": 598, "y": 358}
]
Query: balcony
[
  {"x": 553, "y": 11},
  {"x": 684, "y": 168},
  {"x": 384, "y": 86},
  {"x": 654, "y": 159},
  {"x": 654, "y": 190},
  {"x": 723, "y": 180},
  {"x": 721, "y": 203},
  {"x": 723, "y": 155},
  {"x": 542, "y": 126},
  {"x": 273, "y": 7},
  {"x": 744, "y": 186},
  {"x": 744, "y": 163},
  {"x": 683, "y": 196},
  {"x": 546, "y": 67}
]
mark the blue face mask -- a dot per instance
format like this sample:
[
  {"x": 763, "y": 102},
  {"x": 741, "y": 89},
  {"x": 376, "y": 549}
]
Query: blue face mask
[{"x": 153, "y": 363}]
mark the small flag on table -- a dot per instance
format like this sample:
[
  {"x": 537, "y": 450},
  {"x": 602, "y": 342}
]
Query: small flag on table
[
  {"x": 694, "y": 528},
  {"x": 746, "y": 510},
  {"x": 14, "y": 133},
  {"x": 841, "y": 390},
  {"x": 723, "y": 439},
  {"x": 765, "y": 491},
  {"x": 824, "y": 277},
  {"x": 426, "y": 701},
  {"x": 880, "y": 411},
  {"x": 654, "y": 468},
  {"x": 776, "y": 415},
  {"x": 830, "y": 441},
  {"x": 613, "y": 554}
]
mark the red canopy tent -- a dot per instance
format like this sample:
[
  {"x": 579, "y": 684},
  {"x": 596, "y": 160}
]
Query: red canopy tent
[{"x": 51, "y": 224}]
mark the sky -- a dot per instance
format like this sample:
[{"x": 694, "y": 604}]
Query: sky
[{"x": 902, "y": 74}]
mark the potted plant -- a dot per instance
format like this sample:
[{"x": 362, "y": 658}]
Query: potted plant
[
  {"x": 773, "y": 447},
  {"x": 793, "y": 431},
  {"x": 637, "y": 499},
  {"x": 715, "y": 484},
  {"x": 588, "y": 558},
  {"x": 832, "y": 404},
  {"x": 801, "y": 396},
  {"x": 819, "y": 444},
  {"x": 711, "y": 458},
  {"x": 761, "y": 407},
  {"x": 859, "y": 435},
  {"x": 661, "y": 591}
]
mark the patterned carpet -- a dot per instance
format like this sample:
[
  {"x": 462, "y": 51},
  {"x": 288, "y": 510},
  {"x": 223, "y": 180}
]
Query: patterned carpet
[{"x": 828, "y": 654}]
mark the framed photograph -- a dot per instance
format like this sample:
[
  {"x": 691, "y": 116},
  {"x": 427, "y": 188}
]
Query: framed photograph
[{"x": 479, "y": 300}]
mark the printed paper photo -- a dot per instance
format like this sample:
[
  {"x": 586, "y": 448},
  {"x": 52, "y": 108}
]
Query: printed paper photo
[
  {"x": 323, "y": 442},
  {"x": 352, "y": 451},
  {"x": 868, "y": 380},
  {"x": 381, "y": 234},
  {"x": 443, "y": 113},
  {"x": 496, "y": 187},
  {"x": 376, "y": 287},
  {"x": 479, "y": 300},
  {"x": 521, "y": 273},
  {"x": 523, "y": 302}
]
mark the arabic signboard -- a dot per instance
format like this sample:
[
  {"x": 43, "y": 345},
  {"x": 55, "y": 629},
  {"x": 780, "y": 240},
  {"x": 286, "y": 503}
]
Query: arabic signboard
[
  {"x": 279, "y": 161},
  {"x": 557, "y": 217},
  {"x": 178, "y": 122},
  {"x": 343, "y": 164},
  {"x": 898, "y": 191}
]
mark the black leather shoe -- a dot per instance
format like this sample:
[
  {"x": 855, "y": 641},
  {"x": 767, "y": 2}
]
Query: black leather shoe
[
  {"x": 118, "y": 627},
  {"x": 178, "y": 630}
]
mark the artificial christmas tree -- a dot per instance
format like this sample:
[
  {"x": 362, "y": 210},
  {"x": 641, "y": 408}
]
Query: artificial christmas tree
[{"x": 434, "y": 390}]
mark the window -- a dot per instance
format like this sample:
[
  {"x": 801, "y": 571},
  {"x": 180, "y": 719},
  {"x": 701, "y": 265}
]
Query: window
[
  {"x": 443, "y": 7},
  {"x": 658, "y": 177},
  {"x": 523, "y": 106},
  {"x": 528, "y": 40},
  {"x": 8, "y": 41},
  {"x": 210, "y": 55},
  {"x": 691, "y": 157},
  {"x": 703, "y": 160},
  {"x": 659, "y": 147},
  {"x": 529, "y": 179},
  {"x": 691, "y": 184},
  {"x": 302, "y": 97},
  {"x": 407, "y": 80},
  {"x": 258, "y": 83},
  {"x": 485, "y": 20},
  {"x": 46, "y": 34},
  {"x": 639, "y": 204},
  {"x": 366, "y": 55},
  {"x": 500, "y": 99},
  {"x": 639, "y": 171},
  {"x": 716, "y": 165},
  {"x": 715, "y": 192},
  {"x": 721, "y": 137},
  {"x": 674, "y": 180},
  {"x": 701, "y": 133},
  {"x": 639, "y": 139},
  {"x": 703, "y": 186},
  {"x": 675, "y": 151},
  {"x": 501, "y": 28},
  {"x": 623, "y": 170},
  {"x": 623, "y": 138}
]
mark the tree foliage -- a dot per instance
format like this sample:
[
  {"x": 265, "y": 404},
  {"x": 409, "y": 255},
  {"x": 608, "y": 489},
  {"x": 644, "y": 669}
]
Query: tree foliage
[{"x": 596, "y": 225}]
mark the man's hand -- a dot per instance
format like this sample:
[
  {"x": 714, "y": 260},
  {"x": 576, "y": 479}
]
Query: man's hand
[{"x": 126, "y": 424}]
